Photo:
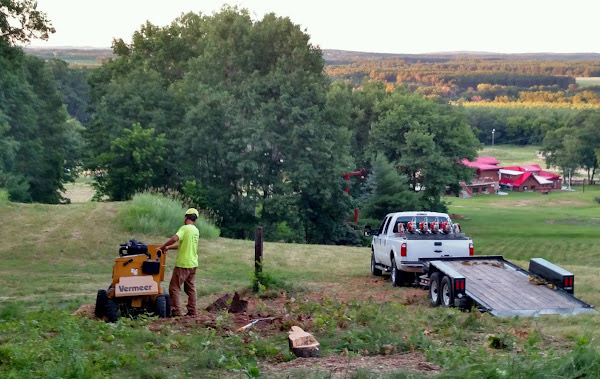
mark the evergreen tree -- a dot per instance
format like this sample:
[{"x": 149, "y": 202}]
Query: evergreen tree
[{"x": 389, "y": 191}]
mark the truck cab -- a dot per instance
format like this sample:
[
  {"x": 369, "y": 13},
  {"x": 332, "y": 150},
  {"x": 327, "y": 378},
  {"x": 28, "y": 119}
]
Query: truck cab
[{"x": 403, "y": 238}]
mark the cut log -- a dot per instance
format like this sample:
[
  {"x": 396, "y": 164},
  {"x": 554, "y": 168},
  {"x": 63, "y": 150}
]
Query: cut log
[{"x": 303, "y": 344}]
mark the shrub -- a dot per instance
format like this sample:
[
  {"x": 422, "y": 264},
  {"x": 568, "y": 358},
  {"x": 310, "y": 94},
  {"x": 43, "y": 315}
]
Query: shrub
[{"x": 159, "y": 215}]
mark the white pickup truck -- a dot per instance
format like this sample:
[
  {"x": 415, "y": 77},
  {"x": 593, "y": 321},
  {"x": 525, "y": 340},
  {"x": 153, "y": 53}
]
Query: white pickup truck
[{"x": 405, "y": 237}]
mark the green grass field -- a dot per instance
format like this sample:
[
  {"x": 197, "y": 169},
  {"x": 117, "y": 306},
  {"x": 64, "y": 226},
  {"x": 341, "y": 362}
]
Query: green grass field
[
  {"x": 514, "y": 155},
  {"x": 55, "y": 257},
  {"x": 587, "y": 81}
]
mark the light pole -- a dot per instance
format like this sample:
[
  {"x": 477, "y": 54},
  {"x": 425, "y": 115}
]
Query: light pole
[{"x": 493, "y": 131}]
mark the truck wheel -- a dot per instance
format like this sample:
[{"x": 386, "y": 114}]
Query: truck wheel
[
  {"x": 447, "y": 292},
  {"x": 101, "y": 300},
  {"x": 112, "y": 310},
  {"x": 396, "y": 277},
  {"x": 434, "y": 289},
  {"x": 374, "y": 270},
  {"x": 161, "y": 306}
]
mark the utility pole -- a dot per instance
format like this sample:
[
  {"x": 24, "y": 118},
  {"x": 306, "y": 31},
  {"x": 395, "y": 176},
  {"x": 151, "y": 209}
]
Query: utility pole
[{"x": 493, "y": 131}]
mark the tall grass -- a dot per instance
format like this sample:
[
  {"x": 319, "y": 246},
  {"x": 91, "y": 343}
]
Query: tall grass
[
  {"x": 3, "y": 196},
  {"x": 159, "y": 215}
]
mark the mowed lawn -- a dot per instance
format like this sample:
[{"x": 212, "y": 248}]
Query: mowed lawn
[
  {"x": 514, "y": 155},
  {"x": 55, "y": 257}
]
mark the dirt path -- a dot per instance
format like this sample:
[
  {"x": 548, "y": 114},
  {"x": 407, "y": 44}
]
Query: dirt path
[{"x": 340, "y": 366}]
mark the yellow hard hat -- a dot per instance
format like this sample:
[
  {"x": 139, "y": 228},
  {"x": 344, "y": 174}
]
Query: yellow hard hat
[{"x": 192, "y": 211}]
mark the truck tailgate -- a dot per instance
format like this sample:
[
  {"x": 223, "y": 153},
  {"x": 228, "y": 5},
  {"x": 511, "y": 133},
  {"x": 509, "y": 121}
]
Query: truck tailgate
[{"x": 418, "y": 248}]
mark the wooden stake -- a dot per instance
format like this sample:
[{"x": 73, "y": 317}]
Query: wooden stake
[{"x": 258, "y": 254}]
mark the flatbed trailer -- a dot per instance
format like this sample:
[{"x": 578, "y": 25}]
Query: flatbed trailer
[{"x": 495, "y": 285}]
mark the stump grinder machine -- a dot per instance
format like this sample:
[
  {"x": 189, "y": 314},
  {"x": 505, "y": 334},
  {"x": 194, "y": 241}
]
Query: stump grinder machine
[{"x": 135, "y": 287}]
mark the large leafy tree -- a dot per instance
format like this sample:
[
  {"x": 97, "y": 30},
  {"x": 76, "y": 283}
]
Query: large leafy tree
[
  {"x": 575, "y": 145},
  {"x": 135, "y": 162},
  {"x": 428, "y": 140},
  {"x": 34, "y": 122},
  {"x": 245, "y": 110},
  {"x": 34, "y": 162}
]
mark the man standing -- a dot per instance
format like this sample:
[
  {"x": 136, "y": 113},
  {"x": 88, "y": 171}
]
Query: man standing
[{"x": 185, "y": 264}]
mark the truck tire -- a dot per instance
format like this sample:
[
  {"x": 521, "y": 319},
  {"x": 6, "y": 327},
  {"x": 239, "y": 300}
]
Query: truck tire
[
  {"x": 447, "y": 292},
  {"x": 112, "y": 310},
  {"x": 434, "y": 289},
  {"x": 101, "y": 300},
  {"x": 374, "y": 270},
  {"x": 161, "y": 306},
  {"x": 396, "y": 276}
]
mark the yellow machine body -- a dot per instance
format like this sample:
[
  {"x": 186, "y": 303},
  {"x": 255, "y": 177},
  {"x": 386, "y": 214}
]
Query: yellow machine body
[{"x": 130, "y": 281}]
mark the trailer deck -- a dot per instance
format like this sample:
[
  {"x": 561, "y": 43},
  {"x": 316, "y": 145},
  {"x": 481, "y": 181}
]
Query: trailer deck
[{"x": 506, "y": 290}]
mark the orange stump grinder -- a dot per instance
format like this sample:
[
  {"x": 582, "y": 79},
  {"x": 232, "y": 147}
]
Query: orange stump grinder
[{"x": 135, "y": 287}]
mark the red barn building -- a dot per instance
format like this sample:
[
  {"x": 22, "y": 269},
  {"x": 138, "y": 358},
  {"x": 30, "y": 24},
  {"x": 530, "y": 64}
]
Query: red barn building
[
  {"x": 529, "y": 178},
  {"x": 486, "y": 169}
]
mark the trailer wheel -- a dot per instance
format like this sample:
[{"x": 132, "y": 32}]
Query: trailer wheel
[
  {"x": 396, "y": 277},
  {"x": 447, "y": 292},
  {"x": 101, "y": 300},
  {"x": 434, "y": 289},
  {"x": 112, "y": 310},
  {"x": 374, "y": 270}
]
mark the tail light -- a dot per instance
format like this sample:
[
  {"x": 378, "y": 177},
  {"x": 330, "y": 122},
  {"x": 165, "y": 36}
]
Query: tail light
[
  {"x": 459, "y": 284},
  {"x": 403, "y": 250},
  {"x": 569, "y": 281},
  {"x": 471, "y": 249}
]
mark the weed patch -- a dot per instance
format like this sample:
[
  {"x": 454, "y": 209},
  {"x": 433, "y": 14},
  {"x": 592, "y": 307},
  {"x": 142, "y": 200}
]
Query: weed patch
[{"x": 159, "y": 215}]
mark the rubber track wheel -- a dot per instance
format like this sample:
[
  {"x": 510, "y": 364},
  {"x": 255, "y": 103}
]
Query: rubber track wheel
[
  {"x": 101, "y": 301},
  {"x": 168, "y": 300},
  {"x": 112, "y": 310},
  {"x": 161, "y": 306}
]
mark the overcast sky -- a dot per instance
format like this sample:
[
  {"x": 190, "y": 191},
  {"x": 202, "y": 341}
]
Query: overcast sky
[{"x": 394, "y": 26}]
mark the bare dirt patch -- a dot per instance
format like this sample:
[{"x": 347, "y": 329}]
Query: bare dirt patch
[
  {"x": 87, "y": 311},
  {"x": 375, "y": 288},
  {"x": 340, "y": 366}
]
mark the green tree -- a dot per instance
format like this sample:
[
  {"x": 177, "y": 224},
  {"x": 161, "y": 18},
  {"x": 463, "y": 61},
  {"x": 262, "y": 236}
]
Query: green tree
[
  {"x": 389, "y": 192},
  {"x": 21, "y": 21},
  {"x": 35, "y": 124},
  {"x": 428, "y": 140},
  {"x": 135, "y": 163},
  {"x": 247, "y": 115}
]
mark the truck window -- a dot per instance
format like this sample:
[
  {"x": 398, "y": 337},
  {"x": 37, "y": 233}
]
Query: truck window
[
  {"x": 382, "y": 225},
  {"x": 387, "y": 225}
]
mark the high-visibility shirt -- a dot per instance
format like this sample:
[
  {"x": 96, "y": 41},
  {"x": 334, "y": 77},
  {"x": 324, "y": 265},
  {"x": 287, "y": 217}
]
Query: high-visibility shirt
[{"x": 187, "y": 256}]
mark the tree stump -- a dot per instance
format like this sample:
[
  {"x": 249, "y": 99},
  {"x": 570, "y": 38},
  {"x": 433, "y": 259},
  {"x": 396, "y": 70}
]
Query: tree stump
[{"x": 303, "y": 344}]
